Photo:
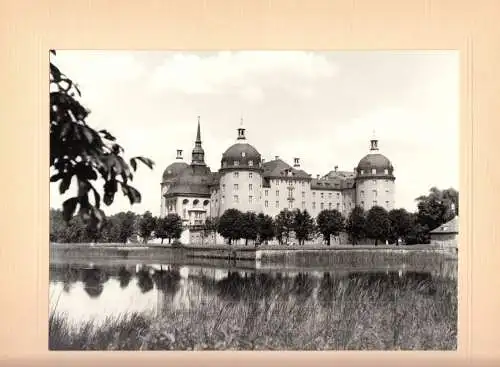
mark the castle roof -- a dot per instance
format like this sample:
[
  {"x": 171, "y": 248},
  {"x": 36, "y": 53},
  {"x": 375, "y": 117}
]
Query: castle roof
[
  {"x": 194, "y": 180},
  {"x": 173, "y": 170},
  {"x": 241, "y": 154},
  {"x": 374, "y": 164},
  {"x": 280, "y": 169},
  {"x": 448, "y": 227}
]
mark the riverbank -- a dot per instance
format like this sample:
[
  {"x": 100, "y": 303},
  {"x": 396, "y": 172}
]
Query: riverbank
[{"x": 345, "y": 315}]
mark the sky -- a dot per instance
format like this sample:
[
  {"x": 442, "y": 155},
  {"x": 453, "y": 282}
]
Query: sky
[{"x": 322, "y": 107}]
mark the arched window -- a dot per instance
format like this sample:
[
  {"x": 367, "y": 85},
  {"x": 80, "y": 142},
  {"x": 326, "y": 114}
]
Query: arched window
[
  {"x": 185, "y": 201},
  {"x": 195, "y": 202},
  {"x": 206, "y": 202}
]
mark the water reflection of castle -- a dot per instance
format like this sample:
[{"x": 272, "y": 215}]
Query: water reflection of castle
[{"x": 182, "y": 287}]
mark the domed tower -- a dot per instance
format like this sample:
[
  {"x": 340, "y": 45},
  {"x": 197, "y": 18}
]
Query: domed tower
[
  {"x": 375, "y": 181},
  {"x": 190, "y": 191},
  {"x": 170, "y": 174},
  {"x": 241, "y": 176}
]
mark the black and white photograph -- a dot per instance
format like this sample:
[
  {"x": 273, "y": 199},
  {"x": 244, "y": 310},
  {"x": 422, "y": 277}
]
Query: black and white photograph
[{"x": 253, "y": 200}]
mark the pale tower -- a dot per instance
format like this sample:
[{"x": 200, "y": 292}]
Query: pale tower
[
  {"x": 241, "y": 176},
  {"x": 375, "y": 180},
  {"x": 170, "y": 174}
]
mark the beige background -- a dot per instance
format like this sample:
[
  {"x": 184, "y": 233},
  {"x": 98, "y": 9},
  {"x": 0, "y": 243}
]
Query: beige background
[{"x": 28, "y": 29}]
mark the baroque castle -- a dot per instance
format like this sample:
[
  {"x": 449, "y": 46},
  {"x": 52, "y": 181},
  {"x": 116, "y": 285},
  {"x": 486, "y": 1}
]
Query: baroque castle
[{"x": 247, "y": 182}]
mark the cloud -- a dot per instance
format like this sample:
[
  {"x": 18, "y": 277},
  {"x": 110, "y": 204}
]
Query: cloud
[{"x": 247, "y": 74}]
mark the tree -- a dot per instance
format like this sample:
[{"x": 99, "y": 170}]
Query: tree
[
  {"x": 303, "y": 225},
  {"x": 249, "y": 226},
  {"x": 284, "y": 225},
  {"x": 230, "y": 225},
  {"x": 330, "y": 222},
  {"x": 377, "y": 224},
  {"x": 126, "y": 225},
  {"x": 265, "y": 228},
  {"x": 147, "y": 224},
  {"x": 400, "y": 224},
  {"x": 210, "y": 226},
  {"x": 79, "y": 152},
  {"x": 418, "y": 233},
  {"x": 356, "y": 223},
  {"x": 438, "y": 207},
  {"x": 169, "y": 227}
]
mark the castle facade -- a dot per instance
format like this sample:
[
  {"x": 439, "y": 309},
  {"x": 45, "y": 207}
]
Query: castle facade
[{"x": 247, "y": 182}]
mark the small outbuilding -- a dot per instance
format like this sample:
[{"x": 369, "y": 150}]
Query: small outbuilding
[{"x": 446, "y": 235}]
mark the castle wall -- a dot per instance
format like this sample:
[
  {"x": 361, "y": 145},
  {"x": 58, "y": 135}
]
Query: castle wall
[
  {"x": 371, "y": 192},
  {"x": 241, "y": 190}
]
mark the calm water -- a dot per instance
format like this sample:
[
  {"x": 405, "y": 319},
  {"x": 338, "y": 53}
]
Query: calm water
[{"x": 93, "y": 292}]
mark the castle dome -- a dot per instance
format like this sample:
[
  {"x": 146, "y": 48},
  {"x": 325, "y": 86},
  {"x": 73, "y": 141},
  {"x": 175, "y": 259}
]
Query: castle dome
[
  {"x": 374, "y": 163},
  {"x": 174, "y": 169},
  {"x": 241, "y": 154},
  {"x": 194, "y": 180}
]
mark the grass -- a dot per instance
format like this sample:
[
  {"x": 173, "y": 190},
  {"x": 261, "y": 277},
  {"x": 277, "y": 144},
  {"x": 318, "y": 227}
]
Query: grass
[{"x": 341, "y": 314}]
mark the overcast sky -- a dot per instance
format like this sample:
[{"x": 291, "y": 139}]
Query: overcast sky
[{"x": 322, "y": 107}]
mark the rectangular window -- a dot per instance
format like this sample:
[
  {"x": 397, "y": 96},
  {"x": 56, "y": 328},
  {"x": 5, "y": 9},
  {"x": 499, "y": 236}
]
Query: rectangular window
[
  {"x": 236, "y": 174},
  {"x": 338, "y": 195},
  {"x": 303, "y": 183},
  {"x": 314, "y": 205},
  {"x": 322, "y": 206},
  {"x": 374, "y": 202},
  {"x": 235, "y": 187},
  {"x": 303, "y": 194},
  {"x": 250, "y": 163},
  {"x": 235, "y": 198},
  {"x": 314, "y": 194},
  {"x": 277, "y": 192},
  {"x": 250, "y": 199},
  {"x": 374, "y": 182},
  {"x": 290, "y": 204},
  {"x": 266, "y": 203},
  {"x": 330, "y": 206},
  {"x": 322, "y": 195},
  {"x": 222, "y": 200},
  {"x": 386, "y": 171},
  {"x": 362, "y": 172},
  {"x": 374, "y": 171},
  {"x": 236, "y": 163},
  {"x": 363, "y": 204},
  {"x": 374, "y": 193},
  {"x": 387, "y": 204},
  {"x": 338, "y": 206},
  {"x": 329, "y": 195},
  {"x": 250, "y": 187},
  {"x": 250, "y": 174},
  {"x": 303, "y": 205},
  {"x": 266, "y": 192},
  {"x": 277, "y": 204},
  {"x": 362, "y": 194},
  {"x": 223, "y": 188}
]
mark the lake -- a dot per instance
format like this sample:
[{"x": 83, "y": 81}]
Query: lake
[{"x": 341, "y": 301}]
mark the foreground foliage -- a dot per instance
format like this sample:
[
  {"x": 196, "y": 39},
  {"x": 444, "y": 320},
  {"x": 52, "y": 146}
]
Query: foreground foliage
[{"x": 82, "y": 154}]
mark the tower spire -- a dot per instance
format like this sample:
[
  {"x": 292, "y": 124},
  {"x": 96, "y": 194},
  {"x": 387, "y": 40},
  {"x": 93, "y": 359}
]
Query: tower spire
[
  {"x": 198, "y": 134},
  {"x": 198, "y": 154}
]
